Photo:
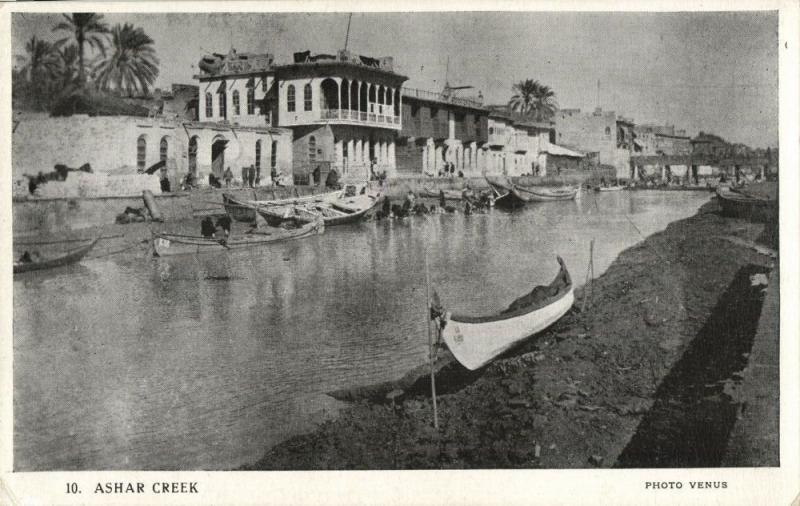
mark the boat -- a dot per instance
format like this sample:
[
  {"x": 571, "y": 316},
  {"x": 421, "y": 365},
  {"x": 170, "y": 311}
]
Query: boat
[
  {"x": 507, "y": 197},
  {"x": 433, "y": 193},
  {"x": 70, "y": 256},
  {"x": 167, "y": 244},
  {"x": 245, "y": 210},
  {"x": 476, "y": 340},
  {"x": 740, "y": 204},
  {"x": 545, "y": 193},
  {"x": 348, "y": 208},
  {"x": 614, "y": 188}
]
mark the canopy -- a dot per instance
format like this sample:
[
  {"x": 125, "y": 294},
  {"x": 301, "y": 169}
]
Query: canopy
[{"x": 555, "y": 149}]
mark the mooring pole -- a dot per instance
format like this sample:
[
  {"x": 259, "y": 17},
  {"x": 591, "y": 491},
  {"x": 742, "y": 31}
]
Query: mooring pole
[
  {"x": 430, "y": 341},
  {"x": 589, "y": 283}
]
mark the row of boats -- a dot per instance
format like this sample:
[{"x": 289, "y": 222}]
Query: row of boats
[{"x": 511, "y": 196}]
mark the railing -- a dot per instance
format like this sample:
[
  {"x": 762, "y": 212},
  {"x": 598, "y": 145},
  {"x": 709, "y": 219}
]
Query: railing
[
  {"x": 361, "y": 117},
  {"x": 440, "y": 97}
]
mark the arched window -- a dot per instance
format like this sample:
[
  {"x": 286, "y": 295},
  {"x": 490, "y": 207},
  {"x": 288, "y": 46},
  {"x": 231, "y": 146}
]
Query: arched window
[
  {"x": 251, "y": 100},
  {"x": 312, "y": 149},
  {"x": 273, "y": 157},
  {"x": 236, "y": 109},
  {"x": 290, "y": 98},
  {"x": 163, "y": 149},
  {"x": 307, "y": 97},
  {"x": 258, "y": 157},
  {"x": 608, "y": 130},
  {"x": 209, "y": 106},
  {"x": 141, "y": 152},
  {"x": 223, "y": 113},
  {"x": 193, "y": 155}
]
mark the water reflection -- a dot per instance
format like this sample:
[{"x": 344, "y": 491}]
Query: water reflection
[{"x": 203, "y": 362}]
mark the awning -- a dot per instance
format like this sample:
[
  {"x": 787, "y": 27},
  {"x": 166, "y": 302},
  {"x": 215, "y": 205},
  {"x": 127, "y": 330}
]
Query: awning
[{"x": 555, "y": 149}]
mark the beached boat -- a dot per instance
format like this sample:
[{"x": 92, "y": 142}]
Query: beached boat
[
  {"x": 340, "y": 211},
  {"x": 545, "y": 193},
  {"x": 475, "y": 340},
  {"x": 34, "y": 261},
  {"x": 166, "y": 244},
  {"x": 245, "y": 210},
  {"x": 433, "y": 193},
  {"x": 740, "y": 204}
]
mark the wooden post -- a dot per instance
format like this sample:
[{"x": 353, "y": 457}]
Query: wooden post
[
  {"x": 589, "y": 276},
  {"x": 430, "y": 341}
]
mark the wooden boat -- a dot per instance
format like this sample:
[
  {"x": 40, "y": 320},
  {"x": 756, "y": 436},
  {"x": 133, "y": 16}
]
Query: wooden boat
[
  {"x": 166, "y": 244},
  {"x": 739, "y": 204},
  {"x": 614, "y": 188},
  {"x": 336, "y": 212},
  {"x": 475, "y": 340},
  {"x": 70, "y": 256},
  {"x": 433, "y": 193},
  {"x": 545, "y": 193},
  {"x": 507, "y": 198},
  {"x": 245, "y": 210}
]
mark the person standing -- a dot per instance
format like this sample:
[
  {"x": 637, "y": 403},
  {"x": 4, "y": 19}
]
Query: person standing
[
  {"x": 251, "y": 176},
  {"x": 228, "y": 176},
  {"x": 244, "y": 176}
]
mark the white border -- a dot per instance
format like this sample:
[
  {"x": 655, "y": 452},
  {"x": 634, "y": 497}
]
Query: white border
[{"x": 745, "y": 486}]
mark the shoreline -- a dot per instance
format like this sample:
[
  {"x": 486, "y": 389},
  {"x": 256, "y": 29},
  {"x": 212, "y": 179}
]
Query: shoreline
[{"x": 575, "y": 395}]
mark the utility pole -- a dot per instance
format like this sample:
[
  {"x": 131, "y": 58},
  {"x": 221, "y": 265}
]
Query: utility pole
[{"x": 347, "y": 37}]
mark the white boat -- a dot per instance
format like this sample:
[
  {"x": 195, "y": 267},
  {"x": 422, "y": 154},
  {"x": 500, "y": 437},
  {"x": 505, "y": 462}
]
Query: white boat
[{"x": 476, "y": 340}]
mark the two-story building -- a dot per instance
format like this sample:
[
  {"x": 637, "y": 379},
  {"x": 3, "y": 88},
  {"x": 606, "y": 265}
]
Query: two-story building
[
  {"x": 344, "y": 112},
  {"x": 440, "y": 129}
]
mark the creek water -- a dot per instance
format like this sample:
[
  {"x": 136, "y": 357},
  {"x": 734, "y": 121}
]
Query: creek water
[{"x": 204, "y": 362}]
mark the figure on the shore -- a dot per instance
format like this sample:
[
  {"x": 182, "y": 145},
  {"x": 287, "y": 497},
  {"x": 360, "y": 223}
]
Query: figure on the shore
[
  {"x": 244, "y": 176},
  {"x": 224, "y": 223},
  {"x": 228, "y": 176},
  {"x": 251, "y": 176},
  {"x": 207, "y": 228}
]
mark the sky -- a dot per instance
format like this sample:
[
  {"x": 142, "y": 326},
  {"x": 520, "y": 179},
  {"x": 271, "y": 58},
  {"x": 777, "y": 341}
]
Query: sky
[{"x": 711, "y": 72}]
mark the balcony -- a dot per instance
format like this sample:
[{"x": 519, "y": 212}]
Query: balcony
[
  {"x": 351, "y": 117},
  {"x": 441, "y": 97}
]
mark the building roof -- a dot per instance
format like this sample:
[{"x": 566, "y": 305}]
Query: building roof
[
  {"x": 441, "y": 98},
  {"x": 555, "y": 149}
]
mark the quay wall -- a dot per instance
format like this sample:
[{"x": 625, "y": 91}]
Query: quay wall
[{"x": 41, "y": 216}]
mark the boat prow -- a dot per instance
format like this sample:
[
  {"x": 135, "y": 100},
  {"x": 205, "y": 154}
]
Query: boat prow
[
  {"x": 71, "y": 256},
  {"x": 476, "y": 340}
]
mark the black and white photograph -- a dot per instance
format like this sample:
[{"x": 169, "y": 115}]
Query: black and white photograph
[{"x": 286, "y": 241}]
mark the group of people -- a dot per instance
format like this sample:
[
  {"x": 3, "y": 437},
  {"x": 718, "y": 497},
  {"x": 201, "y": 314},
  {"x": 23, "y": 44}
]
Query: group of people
[
  {"x": 410, "y": 206},
  {"x": 219, "y": 230},
  {"x": 449, "y": 169}
]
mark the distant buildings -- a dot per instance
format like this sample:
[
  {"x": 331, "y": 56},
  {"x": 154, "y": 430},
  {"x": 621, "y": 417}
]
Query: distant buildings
[{"x": 600, "y": 134}]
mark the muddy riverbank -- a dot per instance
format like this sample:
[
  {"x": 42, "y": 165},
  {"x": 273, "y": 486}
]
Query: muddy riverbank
[{"x": 597, "y": 387}]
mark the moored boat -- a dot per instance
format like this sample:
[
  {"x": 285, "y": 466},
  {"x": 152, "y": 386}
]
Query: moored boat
[
  {"x": 34, "y": 261},
  {"x": 433, "y": 193},
  {"x": 545, "y": 193},
  {"x": 245, "y": 210},
  {"x": 740, "y": 204},
  {"x": 614, "y": 188},
  {"x": 476, "y": 340},
  {"x": 167, "y": 244},
  {"x": 340, "y": 211},
  {"x": 507, "y": 197}
]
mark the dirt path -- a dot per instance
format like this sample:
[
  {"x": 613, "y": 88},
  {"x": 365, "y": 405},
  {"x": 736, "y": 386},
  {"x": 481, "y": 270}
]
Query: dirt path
[{"x": 575, "y": 395}]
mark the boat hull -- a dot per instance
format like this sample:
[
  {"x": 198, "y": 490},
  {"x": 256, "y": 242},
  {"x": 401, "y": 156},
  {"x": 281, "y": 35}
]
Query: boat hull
[
  {"x": 542, "y": 194},
  {"x": 475, "y": 344},
  {"x": 70, "y": 257},
  {"x": 175, "y": 244},
  {"x": 736, "y": 205}
]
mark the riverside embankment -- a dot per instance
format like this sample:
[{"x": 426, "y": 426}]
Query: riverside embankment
[{"x": 649, "y": 368}]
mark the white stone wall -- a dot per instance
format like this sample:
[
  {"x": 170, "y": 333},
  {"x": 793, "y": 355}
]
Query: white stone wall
[{"x": 234, "y": 84}]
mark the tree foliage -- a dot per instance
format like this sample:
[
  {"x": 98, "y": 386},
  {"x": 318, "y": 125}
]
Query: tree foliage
[
  {"x": 132, "y": 65},
  {"x": 533, "y": 99}
]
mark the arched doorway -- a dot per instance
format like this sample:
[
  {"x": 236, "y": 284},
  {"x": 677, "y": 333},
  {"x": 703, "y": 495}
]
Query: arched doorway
[
  {"x": 218, "y": 155},
  {"x": 329, "y": 98},
  {"x": 163, "y": 149}
]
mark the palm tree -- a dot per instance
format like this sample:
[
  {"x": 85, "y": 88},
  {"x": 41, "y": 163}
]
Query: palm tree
[
  {"x": 132, "y": 65},
  {"x": 531, "y": 98},
  {"x": 68, "y": 68},
  {"x": 85, "y": 28},
  {"x": 39, "y": 69}
]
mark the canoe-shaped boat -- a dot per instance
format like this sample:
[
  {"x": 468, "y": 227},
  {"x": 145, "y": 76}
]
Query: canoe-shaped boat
[
  {"x": 70, "y": 256},
  {"x": 614, "y": 188},
  {"x": 507, "y": 198},
  {"x": 736, "y": 204},
  {"x": 337, "y": 212},
  {"x": 245, "y": 210},
  {"x": 545, "y": 193},
  {"x": 475, "y": 340},
  {"x": 166, "y": 244}
]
